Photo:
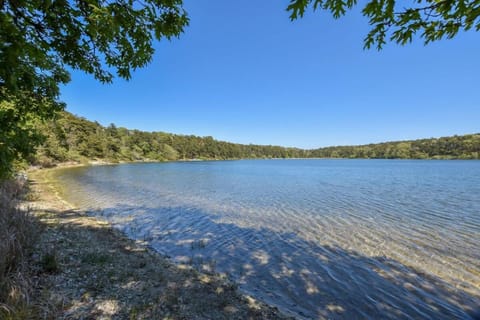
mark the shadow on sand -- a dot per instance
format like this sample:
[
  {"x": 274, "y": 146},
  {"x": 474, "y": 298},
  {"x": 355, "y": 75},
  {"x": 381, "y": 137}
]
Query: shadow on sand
[
  {"x": 300, "y": 277},
  {"x": 100, "y": 274}
]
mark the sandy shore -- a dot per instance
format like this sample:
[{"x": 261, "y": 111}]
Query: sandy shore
[{"x": 88, "y": 270}]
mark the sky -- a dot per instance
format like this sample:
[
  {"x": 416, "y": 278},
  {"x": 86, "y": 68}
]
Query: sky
[{"x": 243, "y": 72}]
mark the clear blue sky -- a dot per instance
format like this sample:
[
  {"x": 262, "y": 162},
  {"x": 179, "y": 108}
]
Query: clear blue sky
[{"x": 242, "y": 72}]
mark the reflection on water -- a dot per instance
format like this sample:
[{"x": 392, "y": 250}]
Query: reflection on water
[{"x": 317, "y": 238}]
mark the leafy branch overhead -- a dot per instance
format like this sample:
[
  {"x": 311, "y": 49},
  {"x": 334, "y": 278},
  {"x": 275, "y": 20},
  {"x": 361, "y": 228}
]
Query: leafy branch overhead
[
  {"x": 40, "y": 39},
  {"x": 400, "y": 21}
]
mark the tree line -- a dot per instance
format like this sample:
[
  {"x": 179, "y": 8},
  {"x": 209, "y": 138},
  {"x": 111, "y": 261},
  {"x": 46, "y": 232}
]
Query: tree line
[
  {"x": 454, "y": 147},
  {"x": 72, "y": 138}
]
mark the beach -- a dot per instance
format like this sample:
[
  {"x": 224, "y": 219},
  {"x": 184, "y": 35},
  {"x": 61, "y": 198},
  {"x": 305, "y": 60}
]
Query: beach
[{"x": 88, "y": 270}]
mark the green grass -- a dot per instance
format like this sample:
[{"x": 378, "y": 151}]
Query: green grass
[
  {"x": 96, "y": 258},
  {"x": 49, "y": 262}
]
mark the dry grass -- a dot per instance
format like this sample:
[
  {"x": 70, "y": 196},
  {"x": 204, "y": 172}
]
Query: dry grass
[{"x": 18, "y": 233}]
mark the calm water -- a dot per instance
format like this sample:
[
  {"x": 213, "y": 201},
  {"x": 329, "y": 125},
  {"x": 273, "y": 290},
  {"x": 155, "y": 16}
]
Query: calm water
[{"x": 342, "y": 239}]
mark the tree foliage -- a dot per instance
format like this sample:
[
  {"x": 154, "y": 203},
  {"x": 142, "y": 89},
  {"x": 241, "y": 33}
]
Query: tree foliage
[
  {"x": 456, "y": 147},
  {"x": 73, "y": 138},
  {"x": 40, "y": 39},
  {"x": 400, "y": 22},
  {"x": 19, "y": 115}
]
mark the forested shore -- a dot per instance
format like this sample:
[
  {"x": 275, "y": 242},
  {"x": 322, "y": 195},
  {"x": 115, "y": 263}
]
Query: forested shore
[{"x": 72, "y": 138}]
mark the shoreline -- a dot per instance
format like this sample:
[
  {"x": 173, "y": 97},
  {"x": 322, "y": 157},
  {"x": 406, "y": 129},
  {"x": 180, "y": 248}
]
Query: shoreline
[{"x": 99, "y": 272}]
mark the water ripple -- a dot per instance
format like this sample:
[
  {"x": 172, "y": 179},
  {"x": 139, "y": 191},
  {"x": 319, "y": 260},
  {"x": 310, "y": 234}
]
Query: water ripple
[{"x": 318, "y": 238}]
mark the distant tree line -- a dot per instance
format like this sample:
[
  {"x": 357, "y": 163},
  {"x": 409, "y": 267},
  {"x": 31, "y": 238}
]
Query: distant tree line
[
  {"x": 71, "y": 138},
  {"x": 455, "y": 147}
]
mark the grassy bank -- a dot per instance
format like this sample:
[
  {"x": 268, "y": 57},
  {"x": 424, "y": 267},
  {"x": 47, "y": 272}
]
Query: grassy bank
[
  {"x": 19, "y": 232},
  {"x": 78, "y": 267}
]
